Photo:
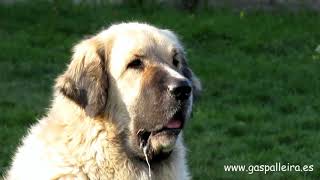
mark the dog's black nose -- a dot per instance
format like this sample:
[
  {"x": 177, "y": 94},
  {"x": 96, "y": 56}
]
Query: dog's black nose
[{"x": 180, "y": 89}]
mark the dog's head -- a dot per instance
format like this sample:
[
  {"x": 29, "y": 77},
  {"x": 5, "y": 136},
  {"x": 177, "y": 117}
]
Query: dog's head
[{"x": 136, "y": 75}]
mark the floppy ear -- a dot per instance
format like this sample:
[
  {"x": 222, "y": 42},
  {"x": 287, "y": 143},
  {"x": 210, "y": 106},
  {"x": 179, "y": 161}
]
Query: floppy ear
[{"x": 85, "y": 80}]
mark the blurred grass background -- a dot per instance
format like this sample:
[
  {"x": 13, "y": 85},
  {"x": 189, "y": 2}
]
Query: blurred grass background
[{"x": 259, "y": 70}]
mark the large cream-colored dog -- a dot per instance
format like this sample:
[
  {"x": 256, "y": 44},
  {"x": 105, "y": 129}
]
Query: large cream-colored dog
[{"x": 119, "y": 107}]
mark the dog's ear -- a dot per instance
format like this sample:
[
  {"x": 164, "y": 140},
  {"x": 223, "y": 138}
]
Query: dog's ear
[{"x": 85, "y": 81}]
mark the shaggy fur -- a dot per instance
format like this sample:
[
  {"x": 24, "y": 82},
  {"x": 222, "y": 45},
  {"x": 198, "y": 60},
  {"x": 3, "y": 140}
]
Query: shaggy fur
[{"x": 98, "y": 107}]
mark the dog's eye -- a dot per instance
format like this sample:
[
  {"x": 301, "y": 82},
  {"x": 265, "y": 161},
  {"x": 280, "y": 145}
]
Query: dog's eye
[
  {"x": 175, "y": 62},
  {"x": 135, "y": 64}
]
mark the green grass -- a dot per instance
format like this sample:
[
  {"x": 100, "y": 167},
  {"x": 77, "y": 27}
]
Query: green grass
[{"x": 260, "y": 73}]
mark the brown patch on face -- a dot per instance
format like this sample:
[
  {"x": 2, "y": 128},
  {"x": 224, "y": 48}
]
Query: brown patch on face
[
  {"x": 154, "y": 76},
  {"x": 156, "y": 106},
  {"x": 154, "y": 97},
  {"x": 152, "y": 106}
]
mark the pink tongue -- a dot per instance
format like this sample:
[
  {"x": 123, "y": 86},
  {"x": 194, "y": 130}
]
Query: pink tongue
[{"x": 174, "y": 123}]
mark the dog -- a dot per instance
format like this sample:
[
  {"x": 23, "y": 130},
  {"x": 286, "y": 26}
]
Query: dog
[{"x": 118, "y": 111}]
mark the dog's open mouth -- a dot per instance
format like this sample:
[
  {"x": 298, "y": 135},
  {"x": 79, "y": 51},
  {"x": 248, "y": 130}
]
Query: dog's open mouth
[{"x": 162, "y": 140}]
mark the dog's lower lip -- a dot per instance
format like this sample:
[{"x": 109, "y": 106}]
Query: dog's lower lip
[
  {"x": 172, "y": 131},
  {"x": 165, "y": 129}
]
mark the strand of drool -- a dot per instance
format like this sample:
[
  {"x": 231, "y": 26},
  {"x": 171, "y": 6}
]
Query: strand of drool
[{"x": 145, "y": 155}]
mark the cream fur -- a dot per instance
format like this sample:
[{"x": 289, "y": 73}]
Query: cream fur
[{"x": 68, "y": 144}]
